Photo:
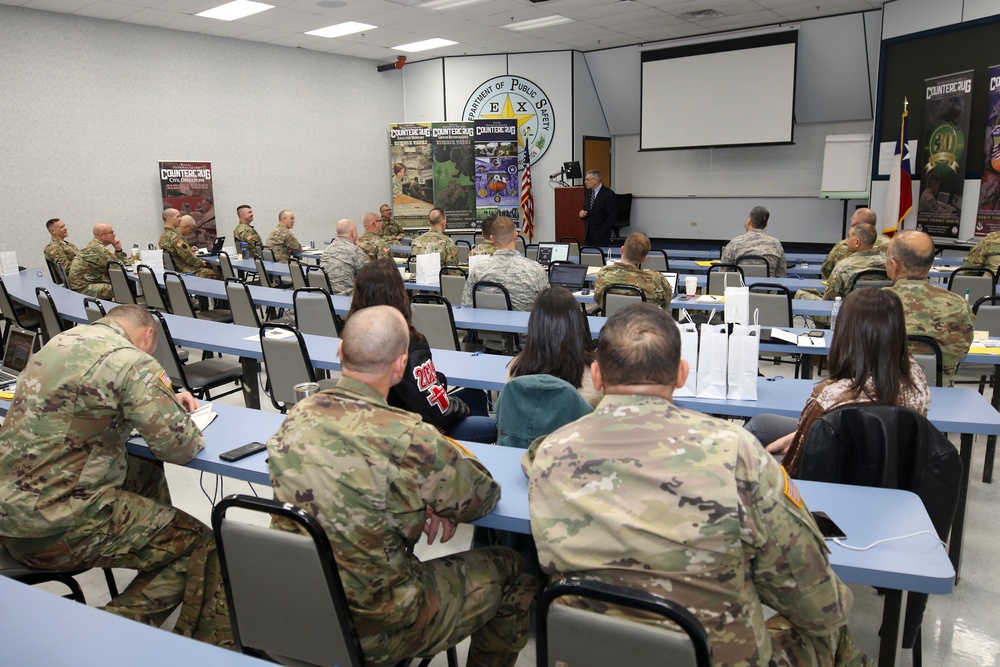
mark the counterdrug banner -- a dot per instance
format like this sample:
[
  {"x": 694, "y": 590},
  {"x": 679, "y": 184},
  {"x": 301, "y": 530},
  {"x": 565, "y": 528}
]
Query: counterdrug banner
[
  {"x": 988, "y": 214},
  {"x": 187, "y": 186}
]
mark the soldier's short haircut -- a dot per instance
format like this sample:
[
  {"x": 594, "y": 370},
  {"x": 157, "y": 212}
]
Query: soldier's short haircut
[
  {"x": 503, "y": 230},
  {"x": 345, "y": 226},
  {"x": 283, "y": 213},
  {"x": 913, "y": 252},
  {"x": 239, "y": 209},
  {"x": 436, "y": 216},
  {"x": 759, "y": 217},
  {"x": 865, "y": 216},
  {"x": 488, "y": 226},
  {"x": 132, "y": 316},
  {"x": 48, "y": 224},
  {"x": 864, "y": 233},
  {"x": 373, "y": 338},
  {"x": 639, "y": 344},
  {"x": 636, "y": 247},
  {"x": 167, "y": 213}
]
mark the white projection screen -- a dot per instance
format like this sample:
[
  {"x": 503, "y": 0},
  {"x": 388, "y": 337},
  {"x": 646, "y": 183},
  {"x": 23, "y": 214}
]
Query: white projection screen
[{"x": 735, "y": 92}]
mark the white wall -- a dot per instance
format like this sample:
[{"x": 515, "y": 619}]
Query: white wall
[{"x": 89, "y": 106}]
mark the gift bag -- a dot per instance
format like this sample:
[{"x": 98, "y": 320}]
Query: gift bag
[
  {"x": 8, "y": 262},
  {"x": 153, "y": 259},
  {"x": 712, "y": 354},
  {"x": 689, "y": 353},
  {"x": 744, "y": 361},
  {"x": 475, "y": 259},
  {"x": 737, "y": 305},
  {"x": 428, "y": 268}
]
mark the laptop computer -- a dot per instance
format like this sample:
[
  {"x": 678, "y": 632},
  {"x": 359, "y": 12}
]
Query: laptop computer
[
  {"x": 553, "y": 252},
  {"x": 217, "y": 246},
  {"x": 571, "y": 276},
  {"x": 20, "y": 346}
]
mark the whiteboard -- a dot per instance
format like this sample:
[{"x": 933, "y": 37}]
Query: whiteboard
[{"x": 846, "y": 161}]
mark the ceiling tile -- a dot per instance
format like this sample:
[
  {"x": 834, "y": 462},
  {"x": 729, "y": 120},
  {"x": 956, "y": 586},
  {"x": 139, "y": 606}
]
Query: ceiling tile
[
  {"x": 106, "y": 10},
  {"x": 154, "y": 17}
]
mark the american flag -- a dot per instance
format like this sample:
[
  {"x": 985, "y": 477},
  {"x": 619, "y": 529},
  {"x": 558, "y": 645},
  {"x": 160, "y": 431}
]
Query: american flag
[
  {"x": 899, "y": 201},
  {"x": 527, "y": 201}
]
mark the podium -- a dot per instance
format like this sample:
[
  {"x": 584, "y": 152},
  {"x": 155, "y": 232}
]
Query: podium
[{"x": 569, "y": 202}]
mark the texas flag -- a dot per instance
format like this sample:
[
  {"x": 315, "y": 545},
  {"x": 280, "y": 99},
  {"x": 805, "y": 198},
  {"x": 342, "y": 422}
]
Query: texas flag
[{"x": 900, "y": 199}]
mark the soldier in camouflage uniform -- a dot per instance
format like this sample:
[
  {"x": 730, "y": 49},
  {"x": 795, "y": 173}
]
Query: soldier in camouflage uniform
[
  {"x": 488, "y": 246},
  {"x": 863, "y": 256},
  {"x": 930, "y": 310},
  {"x": 372, "y": 242},
  {"x": 647, "y": 495},
  {"x": 59, "y": 249},
  {"x": 757, "y": 242},
  {"x": 391, "y": 230},
  {"x": 435, "y": 240},
  {"x": 172, "y": 242},
  {"x": 88, "y": 274},
  {"x": 375, "y": 477},
  {"x": 281, "y": 241},
  {"x": 986, "y": 254},
  {"x": 523, "y": 278},
  {"x": 245, "y": 233},
  {"x": 342, "y": 258},
  {"x": 71, "y": 498},
  {"x": 840, "y": 251},
  {"x": 627, "y": 272}
]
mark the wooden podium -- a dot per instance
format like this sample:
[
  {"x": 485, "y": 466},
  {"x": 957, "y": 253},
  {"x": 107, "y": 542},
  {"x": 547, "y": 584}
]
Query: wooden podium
[{"x": 569, "y": 202}]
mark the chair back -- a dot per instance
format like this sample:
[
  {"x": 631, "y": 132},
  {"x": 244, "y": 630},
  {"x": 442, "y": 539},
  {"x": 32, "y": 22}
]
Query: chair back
[
  {"x": 520, "y": 245},
  {"x": 411, "y": 264},
  {"x": 451, "y": 280},
  {"x": 927, "y": 353},
  {"x": 463, "y": 249},
  {"x": 121, "y": 286},
  {"x": 876, "y": 278},
  {"x": 150, "y": 246},
  {"x": 432, "y": 316},
  {"x": 987, "y": 312},
  {"x": 226, "y": 266},
  {"x": 94, "y": 309},
  {"x": 574, "y": 245},
  {"x": 286, "y": 599},
  {"x": 316, "y": 277},
  {"x": 287, "y": 362},
  {"x": 263, "y": 277},
  {"x": 267, "y": 254},
  {"x": 57, "y": 272},
  {"x": 298, "y": 277},
  {"x": 583, "y": 638},
  {"x": 168, "y": 262},
  {"x": 314, "y": 312},
  {"x": 531, "y": 251},
  {"x": 150, "y": 288},
  {"x": 592, "y": 256},
  {"x": 51, "y": 324},
  {"x": 720, "y": 275},
  {"x": 487, "y": 294},
  {"x": 754, "y": 266},
  {"x": 180, "y": 300},
  {"x": 617, "y": 296},
  {"x": 773, "y": 303},
  {"x": 977, "y": 281},
  {"x": 657, "y": 260},
  {"x": 241, "y": 303},
  {"x": 166, "y": 351}
]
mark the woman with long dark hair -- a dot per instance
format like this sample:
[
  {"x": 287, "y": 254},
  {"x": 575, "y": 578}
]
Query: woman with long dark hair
[
  {"x": 422, "y": 389},
  {"x": 869, "y": 363},
  {"x": 558, "y": 343}
]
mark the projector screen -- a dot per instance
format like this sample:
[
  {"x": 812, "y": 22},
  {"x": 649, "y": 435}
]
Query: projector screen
[{"x": 734, "y": 92}]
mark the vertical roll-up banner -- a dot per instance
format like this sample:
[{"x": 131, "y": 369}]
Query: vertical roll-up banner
[
  {"x": 454, "y": 174},
  {"x": 988, "y": 214},
  {"x": 187, "y": 186},
  {"x": 498, "y": 191},
  {"x": 411, "y": 173},
  {"x": 948, "y": 100}
]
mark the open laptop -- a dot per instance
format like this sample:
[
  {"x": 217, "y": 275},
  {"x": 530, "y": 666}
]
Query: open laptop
[
  {"x": 571, "y": 276},
  {"x": 553, "y": 252},
  {"x": 20, "y": 346},
  {"x": 216, "y": 247}
]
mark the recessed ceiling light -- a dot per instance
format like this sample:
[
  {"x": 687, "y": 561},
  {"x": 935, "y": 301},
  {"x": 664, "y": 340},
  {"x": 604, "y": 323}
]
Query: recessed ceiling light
[
  {"x": 533, "y": 24},
  {"x": 234, "y": 10},
  {"x": 445, "y": 5},
  {"x": 435, "y": 43},
  {"x": 331, "y": 4},
  {"x": 342, "y": 29}
]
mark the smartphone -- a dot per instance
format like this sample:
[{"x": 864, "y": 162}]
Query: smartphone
[
  {"x": 242, "y": 451},
  {"x": 815, "y": 334},
  {"x": 827, "y": 527}
]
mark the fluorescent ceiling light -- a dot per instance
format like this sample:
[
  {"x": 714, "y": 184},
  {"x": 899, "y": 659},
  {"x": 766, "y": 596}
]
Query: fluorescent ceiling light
[
  {"x": 444, "y": 5},
  {"x": 341, "y": 29},
  {"x": 555, "y": 19},
  {"x": 235, "y": 10},
  {"x": 435, "y": 43}
]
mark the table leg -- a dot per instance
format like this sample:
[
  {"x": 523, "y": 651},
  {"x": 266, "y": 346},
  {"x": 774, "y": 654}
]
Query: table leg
[
  {"x": 806, "y": 367},
  {"x": 251, "y": 389},
  {"x": 958, "y": 525},
  {"x": 891, "y": 640},
  {"x": 991, "y": 441}
]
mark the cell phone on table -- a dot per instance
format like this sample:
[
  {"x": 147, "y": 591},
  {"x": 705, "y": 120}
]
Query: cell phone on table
[
  {"x": 827, "y": 527},
  {"x": 242, "y": 451},
  {"x": 815, "y": 334}
]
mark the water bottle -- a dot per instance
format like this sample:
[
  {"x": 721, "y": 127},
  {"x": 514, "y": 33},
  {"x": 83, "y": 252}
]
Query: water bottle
[
  {"x": 967, "y": 296},
  {"x": 135, "y": 253},
  {"x": 244, "y": 250},
  {"x": 833, "y": 314}
]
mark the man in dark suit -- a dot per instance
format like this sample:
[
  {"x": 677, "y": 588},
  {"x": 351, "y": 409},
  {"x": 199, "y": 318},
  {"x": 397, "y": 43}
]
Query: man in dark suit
[{"x": 600, "y": 210}]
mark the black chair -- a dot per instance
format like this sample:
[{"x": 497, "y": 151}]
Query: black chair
[
  {"x": 151, "y": 290},
  {"x": 181, "y": 303},
  {"x": 987, "y": 313},
  {"x": 581, "y": 638},
  {"x": 57, "y": 271},
  {"x": 657, "y": 260},
  {"x": 593, "y": 256},
  {"x": 226, "y": 266},
  {"x": 287, "y": 362},
  {"x": 931, "y": 362},
  {"x": 314, "y": 313},
  {"x": 121, "y": 287},
  {"x": 487, "y": 294},
  {"x": 894, "y": 448},
  {"x": 286, "y": 598},
  {"x": 296, "y": 273},
  {"x": 773, "y": 303},
  {"x": 451, "y": 282},
  {"x": 52, "y": 325},
  {"x": 718, "y": 278},
  {"x": 876, "y": 278},
  {"x": 616, "y": 296},
  {"x": 974, "y": 281},
  {"x": 433, "y": 317},
  {"x": 12, "y": 315},
  {"x": 199, "y": 377},
  {"x": 624, "y": 216},
  {"x": 94, "y": 309},
  {"x": 755, "y": 266},
  {"x": 316, "y": 277}
]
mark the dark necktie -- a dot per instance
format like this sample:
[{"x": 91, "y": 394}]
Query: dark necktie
[{"x": 593, "y": 196}]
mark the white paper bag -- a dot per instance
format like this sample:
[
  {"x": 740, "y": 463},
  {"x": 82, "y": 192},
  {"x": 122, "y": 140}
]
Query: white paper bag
[
  {"x": 712, "y": 354},
  {"x": 744, "y": 361},
  {"x": 689, "y": 353},
  {"x": 737, "y": 305},
  {"x": 428, "y": 268},
  {"x": 8, "y": 262},
  {"x": 152, "y": 258},
  {"x": 475, "y": 259}
]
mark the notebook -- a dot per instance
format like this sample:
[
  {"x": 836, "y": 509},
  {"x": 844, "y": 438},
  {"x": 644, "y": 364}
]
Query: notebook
[
  {"x": 571, "y": 276},
  {"x": 20, "y": 346}
]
